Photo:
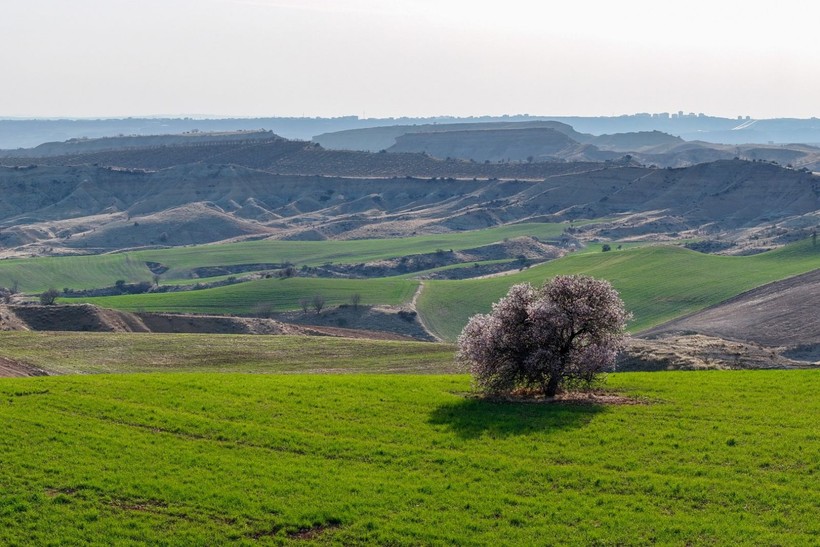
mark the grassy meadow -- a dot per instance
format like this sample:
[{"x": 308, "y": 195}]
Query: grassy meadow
[
  {"x": 657, "y": 283},
  {"x": 111, "y": 352},
  {"x": 711, "y": 458}
]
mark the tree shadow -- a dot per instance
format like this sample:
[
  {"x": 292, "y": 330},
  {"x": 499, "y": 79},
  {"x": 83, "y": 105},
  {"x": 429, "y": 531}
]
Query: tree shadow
[{"x": 471, "y": 418}]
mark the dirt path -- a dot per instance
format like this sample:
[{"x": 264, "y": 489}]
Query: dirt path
[
  {"x": 420, "y": 316},
  {"x": 497, "y": 274}
]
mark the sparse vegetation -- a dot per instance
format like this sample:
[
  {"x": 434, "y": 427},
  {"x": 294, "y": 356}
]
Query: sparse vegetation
[
  {"x": 111, "y": 352},
  {"x": 264, "y": 309},
  {"x": 49, "y": 296},
  {"x": 318, "y": 303}
]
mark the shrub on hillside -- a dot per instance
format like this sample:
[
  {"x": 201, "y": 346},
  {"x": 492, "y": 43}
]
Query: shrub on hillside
[{"x": 48, "y": 297}]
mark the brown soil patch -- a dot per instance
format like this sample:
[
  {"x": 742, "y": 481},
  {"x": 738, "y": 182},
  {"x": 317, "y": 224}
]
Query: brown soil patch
[
  {"x": 80, "y": 317},
  {"x": 138, "y": 505},
  {"x": 595, "y": 397},
  {"x": 390, "y": 322},
  {"x": 699, "y": 352},
  {"x": 364, "y": 322},
  {"x": 10, "y": 321},
  {"x": 313, "y": 532},
  {"x": 10, "y": 368},
  {"x": 780, "y": 315},
  {"x": 214, "y": 324}
]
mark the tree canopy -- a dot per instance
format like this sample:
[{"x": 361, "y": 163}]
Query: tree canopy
[{"x": 565, "y": 332}]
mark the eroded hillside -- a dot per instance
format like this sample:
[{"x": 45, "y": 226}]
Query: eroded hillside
[{"x": 82, "y": 209}]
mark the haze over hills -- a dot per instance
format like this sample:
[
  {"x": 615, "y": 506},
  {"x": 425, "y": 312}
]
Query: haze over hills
[
  {"x": 27, "y": 133},
  {"x": 554, "y": 141},
  {"x": 509, "y": 142}
]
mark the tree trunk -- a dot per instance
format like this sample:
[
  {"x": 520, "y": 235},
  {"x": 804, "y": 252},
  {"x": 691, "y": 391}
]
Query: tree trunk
[{"x": 552, "y": 386}]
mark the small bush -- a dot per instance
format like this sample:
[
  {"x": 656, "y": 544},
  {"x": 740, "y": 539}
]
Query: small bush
[{"x": 48, "y": 297}]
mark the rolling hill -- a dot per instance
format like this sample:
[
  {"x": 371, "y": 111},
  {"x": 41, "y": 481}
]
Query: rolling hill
[
  {"x": 779, "y": 314},
  {"x": 528, "y": 140},
  {"x": 657, "y": 283}
]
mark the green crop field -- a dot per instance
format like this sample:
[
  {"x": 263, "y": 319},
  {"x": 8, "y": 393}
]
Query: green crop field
[
  {"x": 714, "y": 458},
  {"x": 281, "y": 294},
  {"x": 657, "y": 283},
  {"x": 82, "y": 272},
  {"x": 108, "y": 352}
]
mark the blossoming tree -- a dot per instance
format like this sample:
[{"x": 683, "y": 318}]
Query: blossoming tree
[{"x": 566, "y": 332}]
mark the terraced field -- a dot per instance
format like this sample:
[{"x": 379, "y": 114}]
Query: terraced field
[
  {"x": 82, "y": 272},
  {"x": 658, "y": 283},
  {"x": 279, "y": 294}
]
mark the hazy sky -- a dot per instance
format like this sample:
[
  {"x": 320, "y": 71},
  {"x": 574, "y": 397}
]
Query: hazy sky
[{"x": 377, "y": 58}]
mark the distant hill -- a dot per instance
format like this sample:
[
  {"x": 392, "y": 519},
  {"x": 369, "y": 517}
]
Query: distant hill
[
  {"x": 526, "y": 144},
  {"x": 382, "y": 138},
  {"x": 75, "y": 147},
  {"x": 19, "y": 133},
  {"x": 641, "y": 141},
  {"x": 648, "y": 148},
  {"x": 521, "y": 141},
  {"x": 274, "y": 154}
]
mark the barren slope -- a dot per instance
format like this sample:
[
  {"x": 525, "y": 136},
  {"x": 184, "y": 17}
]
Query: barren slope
[
  {"x": 782, "y": 315},
  {"x": 380, "y": 323},
  {"x": 52, "y": 209}
]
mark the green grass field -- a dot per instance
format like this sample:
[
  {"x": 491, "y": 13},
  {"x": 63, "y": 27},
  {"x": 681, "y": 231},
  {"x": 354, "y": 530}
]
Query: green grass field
[
  {"x": 657, "y": 283},
  {"x": 83, "y": 272},
  {"x": 717, "y": 458},
  {"x": 281, "y": 294},
  {"x": 106, "y": 352}
]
